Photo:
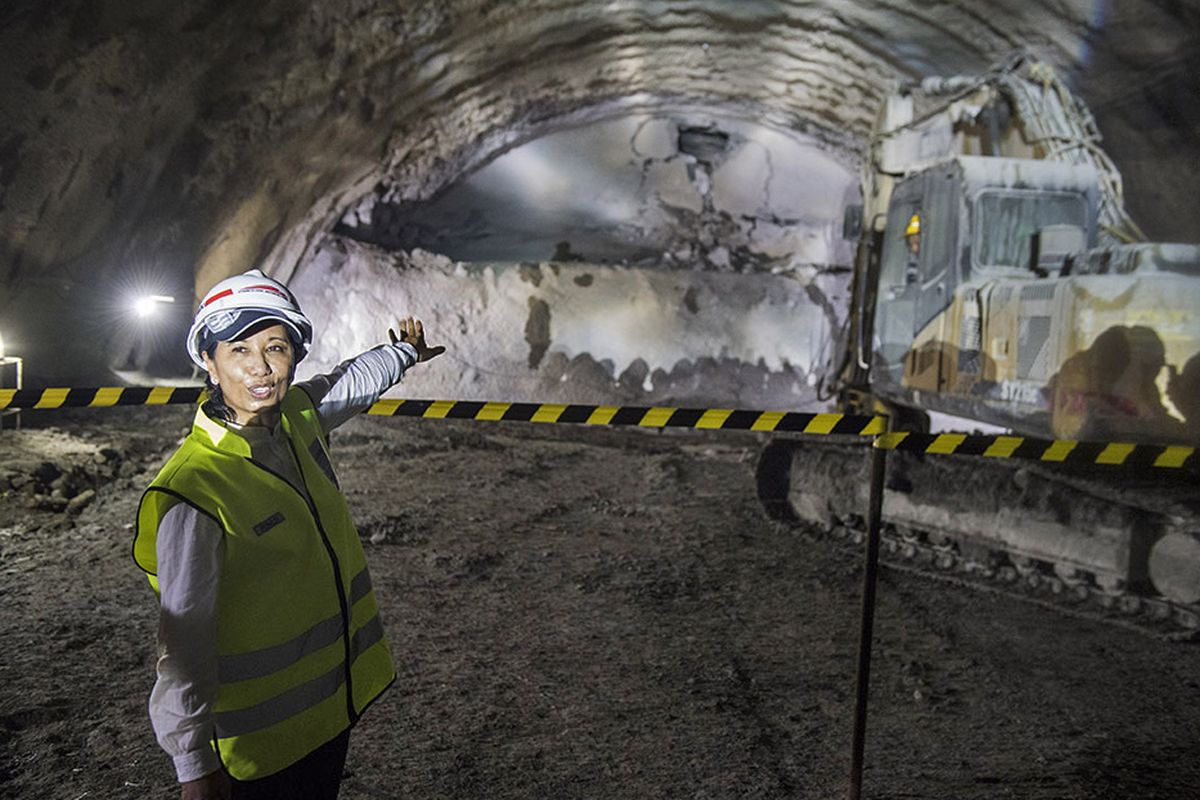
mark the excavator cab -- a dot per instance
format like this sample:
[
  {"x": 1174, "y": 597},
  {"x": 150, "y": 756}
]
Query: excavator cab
[
  {"x": 986, "y": 223},
  {"x": 916, "y": 280}
]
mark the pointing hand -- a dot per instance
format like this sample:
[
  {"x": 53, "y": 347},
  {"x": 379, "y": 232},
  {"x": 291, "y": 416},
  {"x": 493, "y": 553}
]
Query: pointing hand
[{"x": 412, "y": 332}]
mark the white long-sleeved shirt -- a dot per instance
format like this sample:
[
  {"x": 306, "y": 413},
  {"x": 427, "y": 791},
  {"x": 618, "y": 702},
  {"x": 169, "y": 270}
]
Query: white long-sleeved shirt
[{"x": 190, "y": 548}]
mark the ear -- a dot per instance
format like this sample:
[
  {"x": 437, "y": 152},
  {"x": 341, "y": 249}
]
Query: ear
[{"x": 211, "y": 367}]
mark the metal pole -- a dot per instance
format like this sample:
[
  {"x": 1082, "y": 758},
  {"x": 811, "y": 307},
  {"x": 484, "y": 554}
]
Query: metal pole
[{"x": 870, "y": 572}]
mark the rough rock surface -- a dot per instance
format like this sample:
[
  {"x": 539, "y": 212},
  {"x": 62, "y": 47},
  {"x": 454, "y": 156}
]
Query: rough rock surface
[
  {"x": 681, "y": 191},
  {"x": 176, "y": 142},
  {"x": 579, "y": 333},
  {"x": 595, "y": 613}
]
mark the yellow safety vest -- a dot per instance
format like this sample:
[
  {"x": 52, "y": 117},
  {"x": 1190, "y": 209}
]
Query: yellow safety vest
[{"x": 300, "y": 643}]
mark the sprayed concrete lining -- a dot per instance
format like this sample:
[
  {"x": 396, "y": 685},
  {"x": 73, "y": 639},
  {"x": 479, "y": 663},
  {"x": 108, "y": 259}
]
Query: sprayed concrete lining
[
  {"x": 681, "y": 191},
  {"x": 578, "y": 332},
  {"x": 178, "y": 143}
]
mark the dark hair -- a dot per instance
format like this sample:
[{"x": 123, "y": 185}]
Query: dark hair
[{"x": 214, "y": 405}]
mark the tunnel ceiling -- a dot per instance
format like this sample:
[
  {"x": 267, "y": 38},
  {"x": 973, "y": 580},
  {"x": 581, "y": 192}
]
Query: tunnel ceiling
[
  {"x": 688, "y": 191},
  {"x": 195, "y": 138}
]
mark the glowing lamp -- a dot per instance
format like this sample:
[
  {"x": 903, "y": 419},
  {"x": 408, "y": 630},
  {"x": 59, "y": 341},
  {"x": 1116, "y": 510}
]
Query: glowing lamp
[{"x": 147, "y": 305}]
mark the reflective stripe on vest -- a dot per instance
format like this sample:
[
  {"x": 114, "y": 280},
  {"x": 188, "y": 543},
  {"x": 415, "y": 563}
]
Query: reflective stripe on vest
[
  {"x": 259, "y": 663},
  {"x": 281, "y": 707},
  {"x": 294, "y": 668}
]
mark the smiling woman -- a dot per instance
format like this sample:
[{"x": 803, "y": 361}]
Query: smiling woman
[
  {"x": 270, "y": 642},
  {"x": 253, "y": 373}
]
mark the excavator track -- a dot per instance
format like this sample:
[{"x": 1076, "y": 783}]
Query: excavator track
[
  {"x": 1155, "y": 616},
  {"x": 1047, "y": 525}
]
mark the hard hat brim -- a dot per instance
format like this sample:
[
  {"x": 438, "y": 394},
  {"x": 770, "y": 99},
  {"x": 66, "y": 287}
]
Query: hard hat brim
[
  {"x": 246, "y": 319},
  {"x": 204, "y": 338},
  {"x": 239, "y": 302}
]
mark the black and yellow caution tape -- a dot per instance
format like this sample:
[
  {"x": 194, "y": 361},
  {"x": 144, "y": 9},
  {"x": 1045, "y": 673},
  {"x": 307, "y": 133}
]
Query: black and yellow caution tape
[
  {"x": 103, "y": 397},
  {"x": 1057, "y": 451},
  {"x": 1019, "y": 447},
  {"x": 640, "y": 416}
]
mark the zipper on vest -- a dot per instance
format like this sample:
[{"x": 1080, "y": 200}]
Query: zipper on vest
[{"x": 337, "y": 570}]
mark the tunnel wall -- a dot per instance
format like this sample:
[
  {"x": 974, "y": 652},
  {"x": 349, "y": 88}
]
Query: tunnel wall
[
  {"x": 197, "y": 138},
  {"x": 576, "y": 332}
]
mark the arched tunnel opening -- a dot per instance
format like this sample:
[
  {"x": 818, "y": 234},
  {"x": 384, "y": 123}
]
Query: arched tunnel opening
[
  {"x": 183, "y": 166},
  {"x": 973, "y": 217},
  {"x": 638, "y": 259}
]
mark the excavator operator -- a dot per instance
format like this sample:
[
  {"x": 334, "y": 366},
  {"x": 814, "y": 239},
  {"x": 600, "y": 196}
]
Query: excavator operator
[{"x": 912, "y": 235}]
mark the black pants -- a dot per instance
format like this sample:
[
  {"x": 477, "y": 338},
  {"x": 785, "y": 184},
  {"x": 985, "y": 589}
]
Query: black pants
[{"x": 317, "y": 776}]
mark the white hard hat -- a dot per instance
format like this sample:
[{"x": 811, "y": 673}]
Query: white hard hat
[{"x": 236, "y": 303}]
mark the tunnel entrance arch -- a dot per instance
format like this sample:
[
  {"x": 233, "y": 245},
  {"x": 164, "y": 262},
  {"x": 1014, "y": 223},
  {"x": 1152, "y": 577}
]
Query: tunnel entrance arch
[{"x": 655, "y": 256}]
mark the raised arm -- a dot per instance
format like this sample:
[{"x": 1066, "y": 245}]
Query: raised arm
[{"x": 355, "y": 384}]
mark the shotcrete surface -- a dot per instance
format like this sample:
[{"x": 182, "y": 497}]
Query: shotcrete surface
[
  {"x": 579, "y": 333},
  {"x": 583, "y": 612},
  {"x": 187, "y": 141}
]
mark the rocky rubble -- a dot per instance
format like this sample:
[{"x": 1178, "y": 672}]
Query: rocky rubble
[
  {"x": 51, "y": 487},
  {"x": 585, "y": 612},
  {"x": 68, "y": 483},
  {"x": 62, "y": 470}
]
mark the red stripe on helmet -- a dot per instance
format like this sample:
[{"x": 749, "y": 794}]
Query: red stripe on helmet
[
  {"x": 217, "y": 297},
  {"x": 266, "y": 287}
]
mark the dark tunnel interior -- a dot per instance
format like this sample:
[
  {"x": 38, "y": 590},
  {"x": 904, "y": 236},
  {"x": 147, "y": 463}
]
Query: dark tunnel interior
[
  {"x": 740, "y": 300},
  {"x": 154, "y": 150}
]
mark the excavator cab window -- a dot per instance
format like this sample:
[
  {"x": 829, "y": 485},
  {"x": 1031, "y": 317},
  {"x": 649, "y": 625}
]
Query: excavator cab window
[
  {"x": 899, "y": 273},
  {"x": 918, "y": 274},
  {"x": 1008, "y": 219},
  {"x": 900, "y": 262},
  {"x": 939, "y": 269}
]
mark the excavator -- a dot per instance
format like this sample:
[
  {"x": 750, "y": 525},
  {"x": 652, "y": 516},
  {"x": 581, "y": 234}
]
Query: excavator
[{"x": 1000, "y": 284}]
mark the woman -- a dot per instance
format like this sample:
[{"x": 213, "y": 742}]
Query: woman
[{"x": 270, "y": 643}]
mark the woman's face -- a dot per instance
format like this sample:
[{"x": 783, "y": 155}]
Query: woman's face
[{"x": 254, "y": 374}]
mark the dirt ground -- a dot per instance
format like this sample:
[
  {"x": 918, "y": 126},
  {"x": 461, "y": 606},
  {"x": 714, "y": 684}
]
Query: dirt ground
[{"x": 589, "y": 613}]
